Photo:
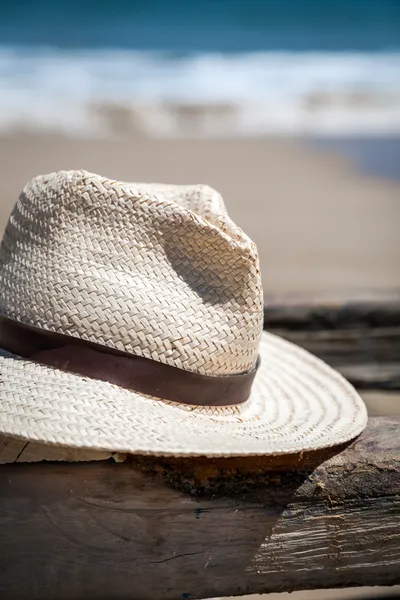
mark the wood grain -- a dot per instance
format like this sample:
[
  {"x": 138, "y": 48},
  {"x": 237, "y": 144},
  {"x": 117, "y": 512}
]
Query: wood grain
[
  {"x": 352, "y": 309},
  {"x": 201, "y": 528},
  {"x": 356, "y": 333}
]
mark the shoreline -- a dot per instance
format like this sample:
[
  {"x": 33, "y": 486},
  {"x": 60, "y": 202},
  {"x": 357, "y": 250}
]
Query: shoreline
[{"x": 377, "y": 156}]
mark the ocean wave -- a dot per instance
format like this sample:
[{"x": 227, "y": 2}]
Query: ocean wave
[{"x": 106, "y": 93}]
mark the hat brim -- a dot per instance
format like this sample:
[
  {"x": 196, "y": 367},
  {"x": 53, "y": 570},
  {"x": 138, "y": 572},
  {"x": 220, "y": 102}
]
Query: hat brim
[{"x": 297, "y": 403}]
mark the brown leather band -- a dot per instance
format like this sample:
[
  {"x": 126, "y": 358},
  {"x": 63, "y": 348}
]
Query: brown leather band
[{"x": 128, "y": 371}]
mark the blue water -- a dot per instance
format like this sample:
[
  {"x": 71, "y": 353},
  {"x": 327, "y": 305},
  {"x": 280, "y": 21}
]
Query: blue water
[
  {"x": 243, "y": 67},
  {"x": 375, "y": 156},
  {"x": 204, "y": 25}
]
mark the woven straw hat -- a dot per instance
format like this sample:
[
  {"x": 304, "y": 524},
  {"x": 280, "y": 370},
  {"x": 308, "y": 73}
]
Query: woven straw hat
[{"x": 151, "y": 279}]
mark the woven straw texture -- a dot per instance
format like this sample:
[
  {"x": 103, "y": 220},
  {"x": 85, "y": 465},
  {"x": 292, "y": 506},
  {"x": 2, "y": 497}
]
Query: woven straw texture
[
  {"x": 297, "y": 403},
  {"x": 127, "y": 267},
  {"x": 161, "y": 272}
]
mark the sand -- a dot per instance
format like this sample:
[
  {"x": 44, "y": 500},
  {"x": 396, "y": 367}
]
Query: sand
[{"x": 318, "y": 223}]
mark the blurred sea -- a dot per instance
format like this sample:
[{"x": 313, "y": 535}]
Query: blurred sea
[{"x": 202, "y": 68}]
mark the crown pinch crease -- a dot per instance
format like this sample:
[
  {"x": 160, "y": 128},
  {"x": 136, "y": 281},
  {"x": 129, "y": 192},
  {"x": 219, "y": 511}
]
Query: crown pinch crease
[{"x": 156, "y": 271}]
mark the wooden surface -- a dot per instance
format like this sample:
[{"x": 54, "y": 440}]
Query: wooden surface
[
  {"x": 185, "y": 529},
  {"x": 358, "y": 333}
]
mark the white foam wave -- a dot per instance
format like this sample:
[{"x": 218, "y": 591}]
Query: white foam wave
[{"x": 103, "y": 93}]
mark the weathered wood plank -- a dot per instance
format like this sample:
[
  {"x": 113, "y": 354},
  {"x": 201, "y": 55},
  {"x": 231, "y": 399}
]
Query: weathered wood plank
[
  {"x": 358, "y": 334},
  {"x": 372, "y": 375},
  {"x": 346, "y": 310},
  {"x": 158, "y": 528}
]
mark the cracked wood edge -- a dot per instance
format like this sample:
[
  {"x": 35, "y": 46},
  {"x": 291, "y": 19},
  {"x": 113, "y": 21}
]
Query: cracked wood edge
[{"x": 130, "y": 531}]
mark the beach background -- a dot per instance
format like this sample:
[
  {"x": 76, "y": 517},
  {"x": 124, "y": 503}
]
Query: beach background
[{"x": 290, "y": 108}]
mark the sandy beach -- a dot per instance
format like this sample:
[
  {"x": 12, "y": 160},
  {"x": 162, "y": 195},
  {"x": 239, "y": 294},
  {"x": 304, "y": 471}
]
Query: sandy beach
[{"x": 319, "y": 223}]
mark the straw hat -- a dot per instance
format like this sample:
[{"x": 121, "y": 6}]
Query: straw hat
[{"x": 132, "y": 322}]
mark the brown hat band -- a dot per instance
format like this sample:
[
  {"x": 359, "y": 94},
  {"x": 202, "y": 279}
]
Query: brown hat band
[{"x": 134, "y": 373}]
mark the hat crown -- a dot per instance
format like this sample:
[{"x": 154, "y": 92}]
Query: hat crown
[{"x": 159, "y": 271}]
